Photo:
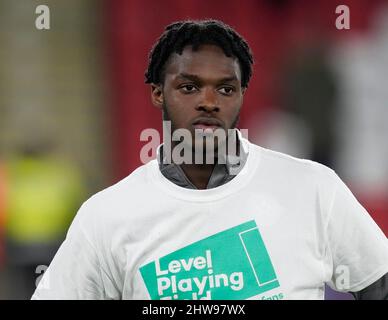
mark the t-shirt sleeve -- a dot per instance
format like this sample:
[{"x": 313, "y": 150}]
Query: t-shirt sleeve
[
  {"x": 75, "y": 271},
  {"x": 357, "y": 247}
]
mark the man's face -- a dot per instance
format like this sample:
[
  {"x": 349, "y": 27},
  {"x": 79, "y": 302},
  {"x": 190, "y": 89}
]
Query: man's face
[{"x": 201, "y": 90}]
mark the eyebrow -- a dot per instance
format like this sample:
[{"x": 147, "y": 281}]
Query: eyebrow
[{"x": 195, "y": 78}]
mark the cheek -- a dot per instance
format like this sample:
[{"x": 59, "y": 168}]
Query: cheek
[
  {"x": 184, "y": 101},
  {"x": 184, "y": 105},
  {"x": 232, "y": 110},
  {"x": 179, "y": 109}
]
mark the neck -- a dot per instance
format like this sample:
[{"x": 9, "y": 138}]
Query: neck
[{"x": 199, "y": 174}]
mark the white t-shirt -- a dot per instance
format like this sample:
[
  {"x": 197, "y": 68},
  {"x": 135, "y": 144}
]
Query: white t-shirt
[{"x": 279, "y": 230}]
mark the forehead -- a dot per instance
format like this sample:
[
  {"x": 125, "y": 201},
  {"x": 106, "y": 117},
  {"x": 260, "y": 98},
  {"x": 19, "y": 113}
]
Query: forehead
[{"x": 208, "y": 62}]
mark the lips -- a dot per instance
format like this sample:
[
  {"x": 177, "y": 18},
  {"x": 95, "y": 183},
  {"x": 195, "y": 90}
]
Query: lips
[{"x": 207, "y": 123}]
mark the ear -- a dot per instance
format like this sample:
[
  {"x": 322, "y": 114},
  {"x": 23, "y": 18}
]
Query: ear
[
  {"x": 243, "y": 89},
  {"x": 157, "y": 95}
]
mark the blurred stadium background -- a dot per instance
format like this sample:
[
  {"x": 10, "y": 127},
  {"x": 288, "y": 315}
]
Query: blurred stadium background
[{"x": 73, "y": 103}]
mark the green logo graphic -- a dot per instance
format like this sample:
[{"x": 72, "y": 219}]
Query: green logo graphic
[{"x": 233, "y": 264}]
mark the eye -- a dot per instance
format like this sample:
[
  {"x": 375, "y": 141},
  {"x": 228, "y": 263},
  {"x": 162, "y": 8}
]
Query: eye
[
  {"x": 188, "y": 88},
  {"x": 226, "y": 90}
]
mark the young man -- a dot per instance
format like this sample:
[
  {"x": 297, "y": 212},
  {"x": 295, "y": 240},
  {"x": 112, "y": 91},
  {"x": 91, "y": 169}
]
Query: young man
[{"x": 246, "y": 223}]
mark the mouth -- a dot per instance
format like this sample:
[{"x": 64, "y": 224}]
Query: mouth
[{"x": 207, "y": 124}]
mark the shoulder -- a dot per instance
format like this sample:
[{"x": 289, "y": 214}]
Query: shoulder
[
  {"x": 126, "y": 192},
  {"x": 276, "y": 162},
  {"x": 296, "y": 178}
]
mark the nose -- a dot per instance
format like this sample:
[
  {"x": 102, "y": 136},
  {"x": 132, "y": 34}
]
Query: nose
[{"x": 208, "y": 101}]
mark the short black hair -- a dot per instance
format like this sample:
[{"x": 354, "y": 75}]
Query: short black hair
[{"x": 198, "y": 32}]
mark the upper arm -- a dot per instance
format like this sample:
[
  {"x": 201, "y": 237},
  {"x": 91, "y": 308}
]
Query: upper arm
[
  {"x": 75, "y": 271},
  {"x": 355, "y": 241},
  {"x": 376, "y": 291}
]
